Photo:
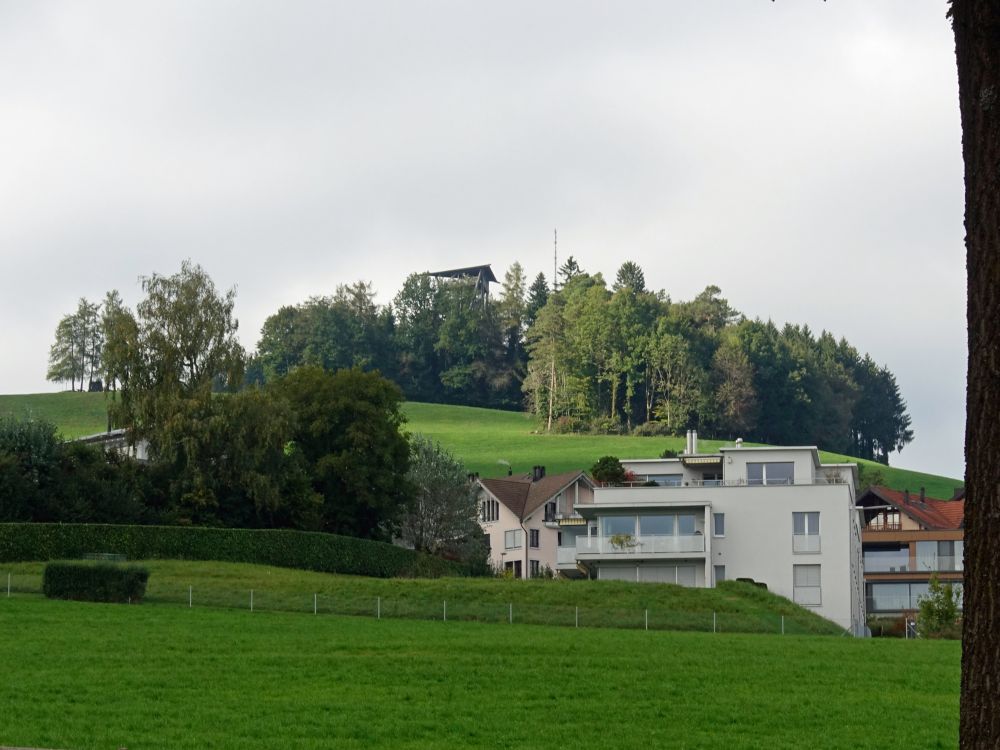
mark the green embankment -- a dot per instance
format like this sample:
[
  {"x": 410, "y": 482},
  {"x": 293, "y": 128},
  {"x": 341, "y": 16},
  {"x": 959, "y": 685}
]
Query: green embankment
[
  {"x": 93, "y": 676},
  {"x": 731, "y": 607},
  {"x": 481, "y": 438}
]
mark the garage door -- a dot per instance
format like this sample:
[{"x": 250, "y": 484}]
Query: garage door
[{"x": 658, "y": 573}]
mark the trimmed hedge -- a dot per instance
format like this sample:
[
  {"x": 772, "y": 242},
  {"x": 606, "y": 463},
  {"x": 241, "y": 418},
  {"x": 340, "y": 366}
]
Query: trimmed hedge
[
  {"x": 95, "y": 582},
  {"x": 326, "y": 553}
]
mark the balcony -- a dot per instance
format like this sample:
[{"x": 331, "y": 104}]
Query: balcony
[
  {"x": 627, "y": 546},
  {"x": 939, "y": 564}
]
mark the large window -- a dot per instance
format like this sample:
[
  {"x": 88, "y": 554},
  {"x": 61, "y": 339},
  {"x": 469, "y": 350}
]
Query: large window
[
  {"x": 806, "y": 587},
  {"x": 666, "y": 480},
  {"x": 613, "y": 525},
  {"x": 656, "y": 525},
  {"x": 718, "y": 524},
  {"x": 805, "y": 532},
  {"x": 513, "y": 539},
  {"x": 533, "y": 537},
  {"x": 894, "y": 597},
  {"x": 777, "y": 472},
  {"x": 946, "y": 556},
  {"x": 887, "y": 559}
]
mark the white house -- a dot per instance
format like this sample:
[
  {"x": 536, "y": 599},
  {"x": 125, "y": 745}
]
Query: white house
[
  {"x": 521, "y": 517},
  {"x": 774, "y": 515}
]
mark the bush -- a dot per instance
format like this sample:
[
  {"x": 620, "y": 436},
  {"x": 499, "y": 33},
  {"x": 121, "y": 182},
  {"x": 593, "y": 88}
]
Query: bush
[
  {"x": 608, "y": 470},
  {"x": 940, "y": 614},
  {"x": 654, "y": 429},
  {"x": 94, "y": 582},
  {"x": 570, "y": 425},
  {"x": 326, "y": 553},
  {"x": 887, "y": 627},
  {"x": 606, "y": 426}
]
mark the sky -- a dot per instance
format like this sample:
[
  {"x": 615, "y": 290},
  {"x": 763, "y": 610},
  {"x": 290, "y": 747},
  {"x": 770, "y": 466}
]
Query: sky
[{"x": 803, "y": 156}]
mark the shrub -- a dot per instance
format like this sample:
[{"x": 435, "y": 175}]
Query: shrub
[
  {"x": 608, "y": 470},
  {"x": 887, "y": 627},
  {"x": 654, "y": 428},
  {"x": 940, "y": 616},
  {"x": 326, "y": 553},
  {"x": 570, "y": 425},
  {"x": 606, "y": 426},
  {"x": 94, "y": 582}
]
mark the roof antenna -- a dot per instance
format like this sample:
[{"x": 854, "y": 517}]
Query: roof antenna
[{"x": 555, "y": 256}]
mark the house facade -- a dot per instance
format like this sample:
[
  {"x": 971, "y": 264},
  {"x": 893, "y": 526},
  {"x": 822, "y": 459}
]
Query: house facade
[
  {"x": 520, "y": 516},
  {"x": 907, "y": 538},
  {"x": 775, "y": 515}
]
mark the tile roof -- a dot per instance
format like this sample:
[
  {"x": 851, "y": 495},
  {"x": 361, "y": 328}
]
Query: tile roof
[
  {"x": 523, "y": 496},
  {"x": 930, "y": 513}
]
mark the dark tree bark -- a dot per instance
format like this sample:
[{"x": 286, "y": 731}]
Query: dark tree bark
[{"x": 977, "y": 48}]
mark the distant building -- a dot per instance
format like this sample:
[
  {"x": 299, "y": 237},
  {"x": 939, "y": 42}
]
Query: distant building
[
  {"x": 521, "y": 517},
  {"x": 117, "y": 440},
  {"x": 906, "y": 538},
  {"x": 480, "y": 276},
  {"x": 774, "y": 515}
]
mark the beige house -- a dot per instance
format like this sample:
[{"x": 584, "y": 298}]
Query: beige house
[{"x": 521, "y": 517}]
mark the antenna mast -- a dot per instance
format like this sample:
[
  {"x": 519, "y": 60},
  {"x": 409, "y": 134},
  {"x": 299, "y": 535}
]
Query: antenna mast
[{"x": 555, "y": 256}]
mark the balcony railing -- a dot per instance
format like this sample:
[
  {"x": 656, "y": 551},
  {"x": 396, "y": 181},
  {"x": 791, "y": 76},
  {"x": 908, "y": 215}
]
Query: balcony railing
[
  {"x": 940, "y": 564},
  {"x": 884, "y": 526},
  {"x": 645, "y": 481},
  {"x": 645, "y": 544}
]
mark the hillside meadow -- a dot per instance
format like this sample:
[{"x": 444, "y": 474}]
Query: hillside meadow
[
  {"x": 486, "y": 440},
  {"x": 731, "y": 607},
  {"x": 91, "y": 676}
]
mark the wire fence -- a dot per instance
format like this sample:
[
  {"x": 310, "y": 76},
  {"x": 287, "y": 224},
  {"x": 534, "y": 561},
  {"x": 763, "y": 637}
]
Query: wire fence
[{"x": 422, "y": 607}]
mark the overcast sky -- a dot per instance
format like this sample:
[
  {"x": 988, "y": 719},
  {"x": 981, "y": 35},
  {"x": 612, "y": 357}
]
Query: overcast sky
[{"x": 803, "y": 156}]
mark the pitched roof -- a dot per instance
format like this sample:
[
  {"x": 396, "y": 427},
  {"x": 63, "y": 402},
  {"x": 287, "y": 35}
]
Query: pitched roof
[
  {"x": 523, "y": 496},
  {"x": 930, "y": 512}
]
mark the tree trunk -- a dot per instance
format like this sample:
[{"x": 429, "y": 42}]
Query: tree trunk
[{"x": 977, "y": 48}]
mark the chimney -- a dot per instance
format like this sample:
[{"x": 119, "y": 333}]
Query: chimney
[
  {"x": 510, "y": 471},
  {"x": 694, "y": 441},
  {"x": 537, "y": 472},
  {"x": 906, "y": 496},
  {"x": 687, "y": 442},
  {"x": 739, "y": 442},
  {"x": 921, "y": 494}
]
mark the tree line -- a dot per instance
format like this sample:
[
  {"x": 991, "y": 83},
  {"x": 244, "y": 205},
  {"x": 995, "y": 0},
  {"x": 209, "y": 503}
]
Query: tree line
[
  {"x": 585, "y": 357},
  {"x": 314, "y": 449}
]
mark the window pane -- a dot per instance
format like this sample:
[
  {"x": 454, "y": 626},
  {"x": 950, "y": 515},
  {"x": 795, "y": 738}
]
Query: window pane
[
  {"x": 927, "y": 556},
  {"x": 806, "y": 575},
  {"x": 798, "y": 523},
  {"x": 755, "y": 473},
  {"x": 886, "y": 597},
  {"x": 917, "y": 590},
  {"x": 719, "y": 520},
  {"x": 779, "y": 473},
  {"x": 685, "y": 524},
  {"x": 656, "y": 525},
  {"x": 720, "y": 573},
  {"x": 618, "y": 525},
  {"x": 812, "y": 523}
]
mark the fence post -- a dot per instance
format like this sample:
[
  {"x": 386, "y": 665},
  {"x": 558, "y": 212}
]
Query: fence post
[
  {"x": 378, "y": 607},
  {"x": 577, "y": 623},
  {"x": 647, "y": 619},
  {"x": 8, "y": 585},
  {"x": 444, "y": 616},
  {"x": 190, "y": 596},
  {"x": 315, "y": 603},
  {"x": 782, "y": 624},
  {"x": 510, "y": 613},
  {"x": 714, "y": 628},
  {"x": 251, "y": 600}
]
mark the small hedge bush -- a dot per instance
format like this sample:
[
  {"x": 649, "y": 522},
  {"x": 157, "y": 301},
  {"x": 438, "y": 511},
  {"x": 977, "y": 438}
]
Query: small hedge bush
[
  {"x": 326, "y": 553},
  {"x": 95, "y": 582}
]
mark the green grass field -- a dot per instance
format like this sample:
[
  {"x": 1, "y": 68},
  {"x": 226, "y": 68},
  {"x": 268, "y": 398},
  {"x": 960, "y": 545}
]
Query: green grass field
[
  {"x": 481, "y": 438},
  {"x": 99, "y": 677},
  {"x": 732, "y": 607}
]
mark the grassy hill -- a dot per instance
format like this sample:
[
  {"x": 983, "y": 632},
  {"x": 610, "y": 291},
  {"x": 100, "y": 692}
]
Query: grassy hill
[
  {"x": 95, "y": 676},
  {"x": 482, "y": 438}
]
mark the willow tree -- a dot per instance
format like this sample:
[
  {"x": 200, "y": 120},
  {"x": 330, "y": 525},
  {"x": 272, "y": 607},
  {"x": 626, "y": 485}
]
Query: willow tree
[{"x": 976, "y": 24}]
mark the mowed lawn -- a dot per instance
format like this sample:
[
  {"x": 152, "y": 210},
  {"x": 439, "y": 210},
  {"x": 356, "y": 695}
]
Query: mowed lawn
[
  {"x": 89, "y": 676},
  {"x": 482, "y": 438}
]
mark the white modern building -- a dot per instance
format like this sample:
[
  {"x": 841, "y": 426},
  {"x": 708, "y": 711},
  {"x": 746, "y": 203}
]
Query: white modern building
[{"x": 774, "y": 515}]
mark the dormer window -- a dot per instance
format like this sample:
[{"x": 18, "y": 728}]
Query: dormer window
[
  {"x": 550, "y": 511},
  {"x": 774, "y": 472}
]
